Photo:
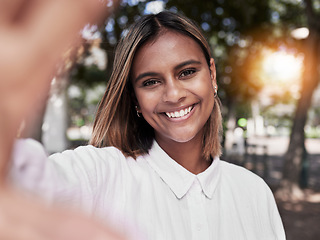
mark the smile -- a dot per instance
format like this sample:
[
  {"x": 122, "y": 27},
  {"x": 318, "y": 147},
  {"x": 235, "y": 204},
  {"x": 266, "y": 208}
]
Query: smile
[{"x": 178, "y": 114}]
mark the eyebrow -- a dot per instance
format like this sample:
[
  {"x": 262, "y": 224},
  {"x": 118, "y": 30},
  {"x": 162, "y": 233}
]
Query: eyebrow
[
  {"x": 189, "y": 62},
  {"x": 146, "y": 74},
  {"x": 153, "y": 74}
]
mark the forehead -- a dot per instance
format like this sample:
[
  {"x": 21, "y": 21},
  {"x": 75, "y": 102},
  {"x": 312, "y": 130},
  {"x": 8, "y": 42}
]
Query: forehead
[{"x": 169, "y": 48}]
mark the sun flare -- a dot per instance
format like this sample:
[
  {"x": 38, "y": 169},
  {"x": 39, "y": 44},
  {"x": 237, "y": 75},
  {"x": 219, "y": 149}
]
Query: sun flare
[{"x": 282, "y": 66}]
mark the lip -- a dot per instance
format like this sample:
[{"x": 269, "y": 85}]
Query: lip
[{"x": 185, "y": 117}]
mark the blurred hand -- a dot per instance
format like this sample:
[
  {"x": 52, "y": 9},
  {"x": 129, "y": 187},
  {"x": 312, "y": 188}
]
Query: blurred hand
[{"x": 33, "y": 36}]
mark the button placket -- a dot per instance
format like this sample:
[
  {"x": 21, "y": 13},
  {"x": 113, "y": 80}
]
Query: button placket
[{"x": 197, "y": 211}]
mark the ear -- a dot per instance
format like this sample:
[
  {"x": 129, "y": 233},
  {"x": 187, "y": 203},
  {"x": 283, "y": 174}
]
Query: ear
[
  {"x": 213, "y": 72},
  {"x": 136, "y": 104}
]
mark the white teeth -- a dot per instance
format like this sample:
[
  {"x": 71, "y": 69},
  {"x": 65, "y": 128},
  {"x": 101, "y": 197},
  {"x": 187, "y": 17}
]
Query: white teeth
[{"x": 180, "y": 113}]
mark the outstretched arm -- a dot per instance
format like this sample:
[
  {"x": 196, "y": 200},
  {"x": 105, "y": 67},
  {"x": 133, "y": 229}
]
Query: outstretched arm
[{"x": 33, "y": 36}]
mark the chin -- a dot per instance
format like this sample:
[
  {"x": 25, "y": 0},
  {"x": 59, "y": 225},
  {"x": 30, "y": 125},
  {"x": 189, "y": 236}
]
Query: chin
[
  {"x": 182, "y": 136},
  {"x": 183, "y": 139}
]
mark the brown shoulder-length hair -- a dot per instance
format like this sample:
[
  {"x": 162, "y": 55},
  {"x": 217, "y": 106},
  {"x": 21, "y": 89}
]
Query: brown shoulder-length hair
[{"x": 116, "y": 123}]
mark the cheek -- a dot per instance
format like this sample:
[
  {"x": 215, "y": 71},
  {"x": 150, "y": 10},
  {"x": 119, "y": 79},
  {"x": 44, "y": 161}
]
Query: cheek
[
  {"x": 146, "y": 101},
  {"x": 204, "y": 89}
]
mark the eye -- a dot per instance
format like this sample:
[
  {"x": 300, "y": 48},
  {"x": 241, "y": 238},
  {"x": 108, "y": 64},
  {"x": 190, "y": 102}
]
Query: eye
[
  {"x": 187, "y": 72},
  {"x": 150, "y": 82}
]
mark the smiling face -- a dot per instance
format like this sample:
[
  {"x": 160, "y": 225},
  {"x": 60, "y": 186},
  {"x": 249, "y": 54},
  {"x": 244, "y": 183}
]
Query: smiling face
[{"x": 174, "y": 87}]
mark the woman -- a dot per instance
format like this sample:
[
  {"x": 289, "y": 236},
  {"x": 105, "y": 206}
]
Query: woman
[{"x": 160, "y": 117}]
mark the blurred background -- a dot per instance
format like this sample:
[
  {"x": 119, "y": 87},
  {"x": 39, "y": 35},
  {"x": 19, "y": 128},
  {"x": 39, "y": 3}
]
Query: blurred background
[{"x": 267, "y": 55}]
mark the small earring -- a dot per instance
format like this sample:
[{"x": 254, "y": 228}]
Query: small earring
[
  {"x": 215, "y": 92},
  {"x": 138, "y": 114}
]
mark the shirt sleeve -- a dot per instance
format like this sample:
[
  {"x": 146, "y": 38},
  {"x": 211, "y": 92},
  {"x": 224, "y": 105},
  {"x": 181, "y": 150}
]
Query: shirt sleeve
[
  {"x": 74, "y": 178},
  {"x": 269, "y": 214},
  {"x": 275, "y": 216},
  {"x": 254, "y": 203},
  {"x": 59, "y": 178},
  {"x": 77, "y": 178},
  {"x": 28, "y": 165}
]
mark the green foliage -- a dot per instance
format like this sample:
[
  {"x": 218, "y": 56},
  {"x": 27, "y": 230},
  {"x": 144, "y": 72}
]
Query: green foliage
[
  {"x": 88, "y": 75},
  {"x": 83, "y": 102}
]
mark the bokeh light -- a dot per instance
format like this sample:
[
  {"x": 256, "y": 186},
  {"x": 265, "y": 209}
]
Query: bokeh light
[{"x": 282, "y": 66}]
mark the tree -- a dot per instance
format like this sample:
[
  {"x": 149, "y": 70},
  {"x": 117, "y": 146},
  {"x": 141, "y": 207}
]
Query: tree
[{"x": 296, "y": 151}]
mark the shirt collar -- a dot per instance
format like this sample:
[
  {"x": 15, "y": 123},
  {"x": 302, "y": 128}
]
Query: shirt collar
[
  {"x": 209, "y": 178},
  {"x": 180, "y": 179}
]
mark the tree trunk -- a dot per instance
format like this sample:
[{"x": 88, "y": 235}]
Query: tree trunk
[{"x": 289, "y": 186}]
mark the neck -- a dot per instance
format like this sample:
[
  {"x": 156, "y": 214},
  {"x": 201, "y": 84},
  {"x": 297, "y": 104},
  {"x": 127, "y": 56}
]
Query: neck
[{"x": 187, "y": 154}]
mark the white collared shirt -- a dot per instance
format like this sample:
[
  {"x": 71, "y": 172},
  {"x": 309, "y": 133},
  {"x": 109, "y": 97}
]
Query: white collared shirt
[{"x": 153, "y": 193}]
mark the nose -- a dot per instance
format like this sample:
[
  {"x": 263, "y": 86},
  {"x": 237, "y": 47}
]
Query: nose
[{"x": 174, "y": 91}]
